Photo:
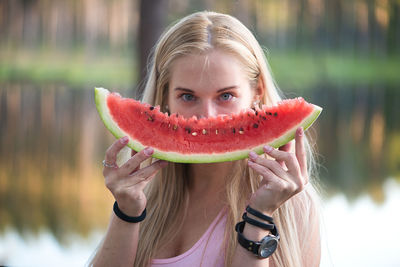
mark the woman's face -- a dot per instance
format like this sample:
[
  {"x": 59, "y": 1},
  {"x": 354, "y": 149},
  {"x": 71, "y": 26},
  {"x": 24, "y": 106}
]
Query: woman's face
[{"x": 209, "y": 85}]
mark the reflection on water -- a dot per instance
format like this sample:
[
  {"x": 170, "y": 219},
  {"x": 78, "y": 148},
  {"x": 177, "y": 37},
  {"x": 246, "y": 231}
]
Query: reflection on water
[
  {"x": 348, "y": 242},
  {"x": 52, "y": 143},
  {"x": 44, "y": 250},
  {"x": 359, "y": 138},
  {"x": 351, "y": 241},
  {"x": 51, "y": 146}
]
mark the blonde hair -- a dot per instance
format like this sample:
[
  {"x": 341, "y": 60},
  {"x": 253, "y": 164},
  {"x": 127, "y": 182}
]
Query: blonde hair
[{"x": 167, "y": 195}]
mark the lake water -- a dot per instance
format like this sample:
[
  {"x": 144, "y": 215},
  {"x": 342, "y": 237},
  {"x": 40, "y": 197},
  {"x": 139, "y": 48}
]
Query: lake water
[
  {"x": 351, "y": 237},
  {"x": 54, "y": 207}
]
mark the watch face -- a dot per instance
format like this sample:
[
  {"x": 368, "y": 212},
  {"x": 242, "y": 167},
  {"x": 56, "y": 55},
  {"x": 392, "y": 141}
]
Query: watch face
[{"x": 268, "y": 246}]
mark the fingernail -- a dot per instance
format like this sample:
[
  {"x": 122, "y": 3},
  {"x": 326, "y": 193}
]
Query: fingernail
[
  {"x": 252, "y": 155},
  {"x": 300, "y": 131},
  {"x": 148, "y": 151},
  {"x": 268, "y": 149},
  {"x": 124, "y": 140}
]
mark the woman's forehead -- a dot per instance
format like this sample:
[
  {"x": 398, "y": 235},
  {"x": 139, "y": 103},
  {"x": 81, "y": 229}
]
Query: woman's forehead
[{"x": 214, "y": 70}]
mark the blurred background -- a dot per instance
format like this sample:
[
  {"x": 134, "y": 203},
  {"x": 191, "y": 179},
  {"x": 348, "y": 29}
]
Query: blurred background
[{"x": 343, "y": 55}]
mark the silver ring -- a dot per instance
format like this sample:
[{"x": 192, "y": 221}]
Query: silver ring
[{"x": 105, "y": 164}]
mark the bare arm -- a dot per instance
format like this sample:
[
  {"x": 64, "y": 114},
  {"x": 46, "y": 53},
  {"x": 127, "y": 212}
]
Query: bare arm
[
  {"x": 282, "y": 179},
  {"x": 120, "y": 244},
  {"x": 126, "y": 183},
  {"x": 244, "y": 257}
]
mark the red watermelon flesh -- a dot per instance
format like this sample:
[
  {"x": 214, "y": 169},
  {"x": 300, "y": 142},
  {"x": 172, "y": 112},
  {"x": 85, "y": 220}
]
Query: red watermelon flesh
[{"x": 222, "y": 138}]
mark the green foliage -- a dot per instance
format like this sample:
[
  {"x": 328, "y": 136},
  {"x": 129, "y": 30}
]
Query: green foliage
[
  {"x": 304, "y": 70},
  {"x": 293, "y": 70},
  {"x": 74, "y": 69}
]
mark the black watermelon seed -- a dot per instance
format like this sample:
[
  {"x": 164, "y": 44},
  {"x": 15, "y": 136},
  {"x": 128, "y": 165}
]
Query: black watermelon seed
[
  {"x": 233, "y": 130},
  {"x": 256, "y": 113},
  {"x": 187, "y": 129},
  {"x": 264, "y": 118},
  {"x": 275, "y": 114},
  {"x": 151, "y": 108},
  {"x": 255, "y": 125}
]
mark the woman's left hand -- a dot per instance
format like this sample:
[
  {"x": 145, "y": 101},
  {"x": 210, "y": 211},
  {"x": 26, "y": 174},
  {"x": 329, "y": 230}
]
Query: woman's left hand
[{"x": 282, "y": 178}]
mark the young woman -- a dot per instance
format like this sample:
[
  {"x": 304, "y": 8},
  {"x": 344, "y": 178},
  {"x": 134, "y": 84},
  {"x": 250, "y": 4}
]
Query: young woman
[{"x": 205, "y": 65}]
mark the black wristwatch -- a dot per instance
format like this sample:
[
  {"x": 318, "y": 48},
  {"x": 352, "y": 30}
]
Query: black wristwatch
[{"x": 264, "y": 248}]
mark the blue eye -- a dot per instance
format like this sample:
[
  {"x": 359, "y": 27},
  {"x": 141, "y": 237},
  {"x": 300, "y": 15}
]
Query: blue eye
[
  {"x": 226, "y": 96},
  {"x": 187, "y": 97}
]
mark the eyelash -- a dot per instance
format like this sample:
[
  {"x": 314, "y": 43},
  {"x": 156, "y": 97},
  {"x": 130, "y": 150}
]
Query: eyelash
[{"x": 182, "y": 96}]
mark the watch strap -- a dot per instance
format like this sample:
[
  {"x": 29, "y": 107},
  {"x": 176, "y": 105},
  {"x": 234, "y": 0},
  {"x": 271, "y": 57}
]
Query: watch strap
[
  {"x": 259, "y": 214},
  {"x": 253, "y": 246},
  {"x": 251, "y": 221},
  {"x": 244, "y": 242}
]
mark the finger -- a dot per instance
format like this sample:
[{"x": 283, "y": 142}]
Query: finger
[
  {"x": 272, "y": 165},
  {"x": 112, "y": 151},
  {"x": 134, "y": 162},
  {"x": 269, "y": 180},
  {"x": 287, "y": 147},
  {"x": 267, "y": 174},
  {"x": 147, "y": 173},
  {"x": 289, "y": 159},
  {"x": 133, "y": 153},
  {"x": 301, "y": 151}
]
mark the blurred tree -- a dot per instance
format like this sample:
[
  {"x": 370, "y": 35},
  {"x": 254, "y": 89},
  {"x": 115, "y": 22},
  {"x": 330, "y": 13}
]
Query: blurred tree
[
  {"x": 393, "y": 32},
  {"x": 334, "y": 20},
  {"x": 301, "y": 24},
  {"x": 372, "y": 26},
  {"x": 153, "y": 15}
]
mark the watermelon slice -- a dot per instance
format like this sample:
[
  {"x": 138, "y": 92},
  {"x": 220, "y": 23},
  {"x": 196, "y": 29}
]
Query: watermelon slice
[{"x": 216, "y": 139}]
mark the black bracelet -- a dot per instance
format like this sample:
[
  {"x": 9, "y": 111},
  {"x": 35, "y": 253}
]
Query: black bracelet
[
  {"x": 259, "y": 214},
  {"x": 127, "y": 218},
  {"x": 251, "y": 221},
  {"x": 240, "y": 226}
]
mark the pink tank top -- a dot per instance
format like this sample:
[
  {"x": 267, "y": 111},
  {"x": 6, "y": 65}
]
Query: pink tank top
[{"x": 206, "y": 252}]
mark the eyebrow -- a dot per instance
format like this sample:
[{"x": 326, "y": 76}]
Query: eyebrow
[{"x": 220, "y": 90}]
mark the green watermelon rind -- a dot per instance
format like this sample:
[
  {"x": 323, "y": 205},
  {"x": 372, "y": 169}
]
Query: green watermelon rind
[{"x": 101, "y": 105}]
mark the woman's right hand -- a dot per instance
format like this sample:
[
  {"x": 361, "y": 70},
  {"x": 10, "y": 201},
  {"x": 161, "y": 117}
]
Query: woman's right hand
[{"x": 127, "y": 182}]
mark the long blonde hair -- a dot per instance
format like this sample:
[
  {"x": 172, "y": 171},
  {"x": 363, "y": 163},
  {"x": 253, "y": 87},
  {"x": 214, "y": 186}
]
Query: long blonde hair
[{"x": 167, "y": 194}]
